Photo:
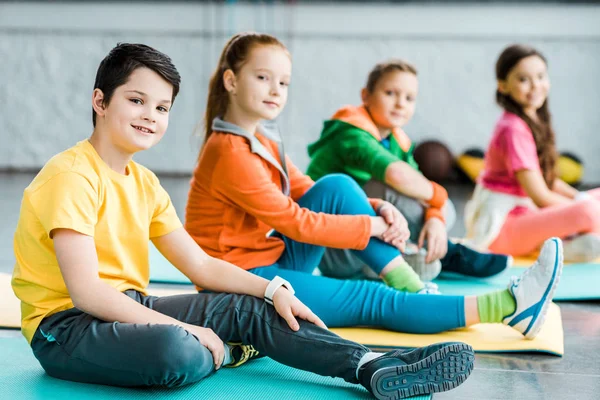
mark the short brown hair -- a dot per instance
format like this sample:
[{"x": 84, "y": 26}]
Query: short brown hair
[{"x": 386, "y": 67}]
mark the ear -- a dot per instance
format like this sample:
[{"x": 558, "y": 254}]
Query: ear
[
  {"x": 502, "y": 87},
  {"x": 229, "y": 81},
  {"x": 364, "y": 95},
  {"x": 98, "y": 102}
]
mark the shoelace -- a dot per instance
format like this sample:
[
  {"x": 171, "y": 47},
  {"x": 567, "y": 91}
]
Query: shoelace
[{"x": 515, "y": 281}]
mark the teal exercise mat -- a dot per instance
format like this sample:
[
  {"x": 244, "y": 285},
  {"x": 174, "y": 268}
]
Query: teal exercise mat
[
  {"x": 578, "y": 282},
  {"x": 22, "y": 378},
  {"x": 162, "y": 271}
]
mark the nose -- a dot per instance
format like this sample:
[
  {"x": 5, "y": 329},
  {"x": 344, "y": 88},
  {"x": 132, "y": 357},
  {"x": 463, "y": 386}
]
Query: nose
[
  {"x": 275, "y": 89},
  {"x": 400, "y": 101},
  {"x": 149, "y": 115}
]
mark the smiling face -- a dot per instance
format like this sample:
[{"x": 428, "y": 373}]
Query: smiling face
[
  {"x": 527, "y": 84},
  {"x": 393, "y": 99},
  {"x": 259, "y": 90},
  {"x": 137, "y": 116}
]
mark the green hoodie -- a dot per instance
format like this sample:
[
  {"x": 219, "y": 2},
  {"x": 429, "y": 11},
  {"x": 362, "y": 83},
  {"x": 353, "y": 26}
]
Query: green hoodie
[{"x": 350, "y": 144}]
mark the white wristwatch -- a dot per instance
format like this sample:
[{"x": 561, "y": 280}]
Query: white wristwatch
[{"x": 275, "y": 284}]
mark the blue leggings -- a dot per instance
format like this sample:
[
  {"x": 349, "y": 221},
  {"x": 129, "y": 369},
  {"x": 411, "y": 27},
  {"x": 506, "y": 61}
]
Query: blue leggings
[{"x": 341, "y": 303}]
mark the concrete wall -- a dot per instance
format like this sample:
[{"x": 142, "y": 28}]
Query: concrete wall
[{"x": 49, "y": 54}]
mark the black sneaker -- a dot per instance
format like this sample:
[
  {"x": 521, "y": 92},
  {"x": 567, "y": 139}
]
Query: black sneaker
[
  {"x": 241, "y": 353},
  {"x": 463, "y": 260},
  {"x": 406, "y": 373}
]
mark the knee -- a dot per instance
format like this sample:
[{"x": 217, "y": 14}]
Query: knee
[
  {"x": 449, "y": 214},
  {"x": 589, "y": 214},
  {"x": 338, "y": 181},
  {"x": 179, "y": 358}
]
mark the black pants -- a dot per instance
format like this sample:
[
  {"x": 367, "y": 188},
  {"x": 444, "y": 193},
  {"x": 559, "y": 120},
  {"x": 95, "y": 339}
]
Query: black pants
[{"x": 76, "y": 346}]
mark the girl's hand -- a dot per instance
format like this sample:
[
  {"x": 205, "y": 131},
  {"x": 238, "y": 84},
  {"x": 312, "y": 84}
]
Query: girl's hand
[
  {"x": 288, "y": 307},
  {"x": 397, "y": 233},
  {"x": 434, "y": 231}
]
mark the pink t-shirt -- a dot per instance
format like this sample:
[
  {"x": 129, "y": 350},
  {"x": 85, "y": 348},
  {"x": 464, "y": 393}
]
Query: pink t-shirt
[{"x": 511, "y": 149}]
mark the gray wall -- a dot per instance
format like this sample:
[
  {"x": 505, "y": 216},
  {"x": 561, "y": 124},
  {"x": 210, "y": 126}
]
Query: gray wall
[{"x": 49, "y": 54}]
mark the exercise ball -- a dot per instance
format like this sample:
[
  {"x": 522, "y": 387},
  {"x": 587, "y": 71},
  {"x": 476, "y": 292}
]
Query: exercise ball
[
  {"x": 570, "y": 168},
  {"x": 470, "y": 163},
  {"x": 435, "y": 160}
]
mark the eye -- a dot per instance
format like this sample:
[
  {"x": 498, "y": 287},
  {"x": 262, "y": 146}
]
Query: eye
[
  {"x": 284, "y": 84},
  {"x": 410, "y": 98},
  {"x": 262, "y": 77},
  {"x": 389, "y": 92},
  {"x": 522, "y": 79},
  {"x": 162, "y": 109},
  {"x": 136, "y": 101}
]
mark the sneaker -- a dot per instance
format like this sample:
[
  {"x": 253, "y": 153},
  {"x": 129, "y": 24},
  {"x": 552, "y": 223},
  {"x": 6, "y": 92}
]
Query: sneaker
[
  {"x": 406, "y": 373},
  {"x": 241, "y": 353},
  {"x": 464, "y": 260},
  {"x": 430, "y": 288},
  {"x": 582, "y": 248},
  {"x": 426, "y": 271},
  {"x": 534, "y": 289}
]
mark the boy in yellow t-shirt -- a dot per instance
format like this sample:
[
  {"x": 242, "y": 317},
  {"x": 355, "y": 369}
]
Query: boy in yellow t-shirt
[{"x": 82, "y": 270}]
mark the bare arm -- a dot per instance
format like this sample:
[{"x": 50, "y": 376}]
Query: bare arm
[
  {"x": 205, "y": 271},
  {"x": 406, "y": 180},
  {"x": 78, "y": 263},
  {"x": 563, "y": 188},
  {"x": 220, "y": 276},
  {"x": 534, "y": 185}
]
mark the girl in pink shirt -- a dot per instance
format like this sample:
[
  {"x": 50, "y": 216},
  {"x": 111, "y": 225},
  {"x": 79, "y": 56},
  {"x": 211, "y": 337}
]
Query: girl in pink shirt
[{"x": 519, "y": 201}]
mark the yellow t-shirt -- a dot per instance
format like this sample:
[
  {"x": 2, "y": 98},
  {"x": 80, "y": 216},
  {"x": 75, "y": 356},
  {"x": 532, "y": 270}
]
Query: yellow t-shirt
[{"x": 77, "y": 190}]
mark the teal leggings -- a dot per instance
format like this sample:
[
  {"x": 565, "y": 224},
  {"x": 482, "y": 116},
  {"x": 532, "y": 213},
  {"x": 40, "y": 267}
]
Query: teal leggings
[{"x": 342, "y": 303}]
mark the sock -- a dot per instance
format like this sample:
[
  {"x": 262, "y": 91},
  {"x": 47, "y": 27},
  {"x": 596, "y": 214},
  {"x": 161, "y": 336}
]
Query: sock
[
  {"x": 404, "y": 278},
  {"x": 494, "y": 306},
  {"x": 227, "y": 359},
  {"x": 466, "y": 261},
  {"x": 369, "y": 356}
]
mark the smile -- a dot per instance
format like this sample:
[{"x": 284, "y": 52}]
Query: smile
[{"x": 142, "y": 129}]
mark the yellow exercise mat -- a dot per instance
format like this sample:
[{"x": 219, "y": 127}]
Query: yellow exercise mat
[
  {"x": 486, "y": 338},
  {"x": 10, "y": 305},
  {"x": 483, "y": 337}
]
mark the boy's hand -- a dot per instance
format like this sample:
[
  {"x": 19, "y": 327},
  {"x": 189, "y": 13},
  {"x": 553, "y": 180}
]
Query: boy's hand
[
  {"x": 434, "y": 231},
  {"x": 397, "y": 233},
  {"x": 209, "y": 339},
  {"x": 288, "y": 307}
]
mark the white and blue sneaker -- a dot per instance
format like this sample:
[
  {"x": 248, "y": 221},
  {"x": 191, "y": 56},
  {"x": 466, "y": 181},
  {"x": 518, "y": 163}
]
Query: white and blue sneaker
[{"x": 534, "y": 289}]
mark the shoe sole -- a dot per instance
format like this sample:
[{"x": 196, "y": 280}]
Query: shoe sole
[
  {"x": 441, "y": 371},
  {"x": 537, "y": 326}
]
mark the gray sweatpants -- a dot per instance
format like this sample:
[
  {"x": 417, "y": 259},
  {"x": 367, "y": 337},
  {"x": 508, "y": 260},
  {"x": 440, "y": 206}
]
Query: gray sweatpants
[
  {"x": 76, "y": 346},
  {"x": 343, "y": 264}
]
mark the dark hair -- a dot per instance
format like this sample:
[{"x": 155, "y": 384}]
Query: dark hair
[
  {"x": 123, "y": 59},
  {"x": 233, "y": 57},
  {"x": 543, "y": 133},
  {"x": 381, "y": 69}
]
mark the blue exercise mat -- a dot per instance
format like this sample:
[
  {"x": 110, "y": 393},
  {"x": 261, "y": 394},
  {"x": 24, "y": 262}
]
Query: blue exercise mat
[
  {"x": 162, "y": 271},
  {"x": 22, "y": 378}
]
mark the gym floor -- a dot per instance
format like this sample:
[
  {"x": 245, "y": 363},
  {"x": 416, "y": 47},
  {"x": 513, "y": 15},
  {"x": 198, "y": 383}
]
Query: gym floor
[{"x": 496, "y": 376}]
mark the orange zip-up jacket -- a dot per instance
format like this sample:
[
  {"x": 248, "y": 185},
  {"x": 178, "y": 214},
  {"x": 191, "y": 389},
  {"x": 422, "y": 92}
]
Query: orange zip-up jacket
[{"x": 240, "y": 193}]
